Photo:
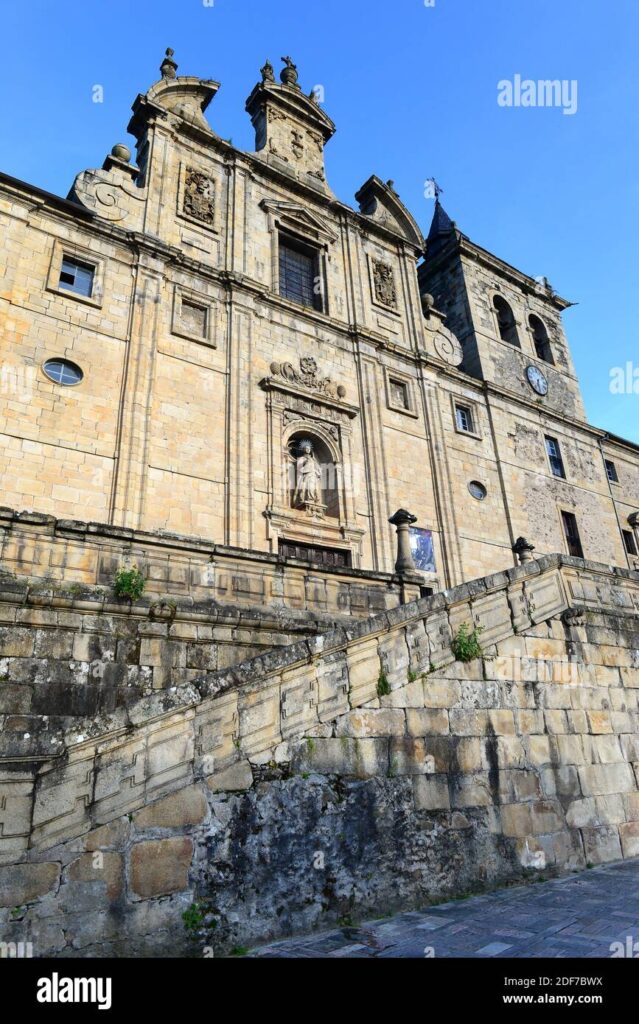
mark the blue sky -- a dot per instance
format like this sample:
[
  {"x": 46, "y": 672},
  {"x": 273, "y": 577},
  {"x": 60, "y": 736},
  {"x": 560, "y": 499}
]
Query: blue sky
[{"x": 412, "y": 88}]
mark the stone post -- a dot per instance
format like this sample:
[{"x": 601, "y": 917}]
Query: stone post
[
  {"x": 524, "y": 550},
  {"x": 403, "y": 521}
]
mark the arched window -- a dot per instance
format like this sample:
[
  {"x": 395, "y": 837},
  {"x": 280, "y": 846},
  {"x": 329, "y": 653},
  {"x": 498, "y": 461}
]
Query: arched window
[
  {"x": 540, "y": 338},
  {"x": 505, "y": 321},
  {"x": 313, "y": 479}
]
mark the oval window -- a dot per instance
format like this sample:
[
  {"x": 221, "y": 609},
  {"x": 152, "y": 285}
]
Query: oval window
[
  {"x": 477, "y": 490},
  {"x": 61, "y": 371}
]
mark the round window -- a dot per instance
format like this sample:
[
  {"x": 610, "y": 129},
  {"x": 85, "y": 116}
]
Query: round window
[
  {"x": 477, "y": 490},
  {"x": 61, "y": 371}
]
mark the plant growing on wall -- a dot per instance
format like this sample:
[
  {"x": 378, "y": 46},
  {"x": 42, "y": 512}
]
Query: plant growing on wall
[
  {"x": 383, "y": 686},
  {"x": 466, "y": 645},
  {"x": 129, "y": 582}
]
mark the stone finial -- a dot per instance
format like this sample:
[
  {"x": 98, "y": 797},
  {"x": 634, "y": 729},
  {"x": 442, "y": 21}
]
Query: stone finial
[
  {"x": 168, "y": 67},
  {"x": 288, "y": 74},
  {"x": 403, "y": 520},
  {"x": 121, "y": 152},
  {"x": 267, "y": 72},
  {"x": 427, "y": 302},
  {"x": 523, "y": 549}
]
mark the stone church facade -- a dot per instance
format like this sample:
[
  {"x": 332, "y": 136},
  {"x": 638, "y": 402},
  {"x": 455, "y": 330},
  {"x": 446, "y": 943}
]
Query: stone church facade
[{"x": 206, "y": 346}]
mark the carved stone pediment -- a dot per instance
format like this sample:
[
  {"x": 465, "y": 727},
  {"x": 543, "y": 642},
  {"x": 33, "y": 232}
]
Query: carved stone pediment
[
  {"x": 298, "y": 218},
  {"x": 307, "y": 382},
  {"x": 382, "y": 204}
]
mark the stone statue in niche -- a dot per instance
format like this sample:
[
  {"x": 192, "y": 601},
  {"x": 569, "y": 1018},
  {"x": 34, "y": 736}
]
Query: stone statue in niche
[
  {"x": 384, "y": 284},
  {"x": 199, "y": 196},
  {"x": 308, "y": 476}
]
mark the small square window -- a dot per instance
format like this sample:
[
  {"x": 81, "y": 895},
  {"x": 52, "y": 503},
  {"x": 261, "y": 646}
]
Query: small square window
[
  {"x": 629, "y": 542},
  {"x": 611, "y": 471},
  {"x": 554, "y": 457},
  {"x": 464, "y": 419},
  {"x": 398, "y": 393},
  {"x": 76, "y": 277}
]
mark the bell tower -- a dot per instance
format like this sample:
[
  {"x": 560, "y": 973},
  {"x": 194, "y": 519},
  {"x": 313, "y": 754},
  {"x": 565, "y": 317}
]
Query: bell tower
[{"x": 508, "y": 323}]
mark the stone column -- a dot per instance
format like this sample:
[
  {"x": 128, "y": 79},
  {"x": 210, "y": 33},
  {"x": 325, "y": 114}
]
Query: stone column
[
  {"x": 403, "y": 521},
  {"x": 524, "y": 550}
]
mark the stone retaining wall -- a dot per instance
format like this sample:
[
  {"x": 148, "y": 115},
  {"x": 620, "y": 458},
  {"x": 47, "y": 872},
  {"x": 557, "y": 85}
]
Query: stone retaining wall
[{"x": 352, "y": 773}]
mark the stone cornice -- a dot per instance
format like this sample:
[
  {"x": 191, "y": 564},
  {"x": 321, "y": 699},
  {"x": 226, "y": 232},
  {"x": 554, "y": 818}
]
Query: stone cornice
[{"x": 460, "y": 244}]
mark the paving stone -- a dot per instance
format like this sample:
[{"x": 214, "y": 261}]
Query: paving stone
[{"x": 574, "y": 916}]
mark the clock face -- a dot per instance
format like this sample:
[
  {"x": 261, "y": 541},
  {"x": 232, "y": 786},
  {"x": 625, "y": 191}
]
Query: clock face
[{"x": 537, "y": 380}]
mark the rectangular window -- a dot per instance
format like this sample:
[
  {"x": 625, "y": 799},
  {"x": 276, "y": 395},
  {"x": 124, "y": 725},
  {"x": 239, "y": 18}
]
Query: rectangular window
[
  {"x": 464, "y": 418},
  {"x": 76, "y": 276},
  {"x": 571, "y": 531},
  {"x": 611, "y": 471},
  {"x": 320, "y": 556},
  {"x": 629, "y": 541},
  {"x": 300, "y": 278},
  {"x": 554, "y": 456}
]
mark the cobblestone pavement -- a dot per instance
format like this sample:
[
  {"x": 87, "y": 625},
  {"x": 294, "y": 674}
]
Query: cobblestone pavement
[{"x": 577, "y": 916}]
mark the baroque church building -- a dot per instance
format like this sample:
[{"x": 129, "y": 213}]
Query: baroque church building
[{"x": 214, "y": 366}]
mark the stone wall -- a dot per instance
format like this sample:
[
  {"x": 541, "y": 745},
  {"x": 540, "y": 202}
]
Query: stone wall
[{"x": 351, "y": 773}]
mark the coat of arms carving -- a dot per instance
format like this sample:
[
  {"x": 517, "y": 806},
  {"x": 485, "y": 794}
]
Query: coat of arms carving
[
  {"x": 199, "y": 196},
  {"x": 384, "y": 284}
]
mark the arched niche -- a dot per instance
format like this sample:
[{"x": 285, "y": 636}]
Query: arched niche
[{"x": 314, "y": 473}]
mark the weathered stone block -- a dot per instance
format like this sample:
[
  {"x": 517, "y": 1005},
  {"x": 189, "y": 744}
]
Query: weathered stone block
[
  {"x": 601, "y": 844},
  {"x": 517, "y": 820},
  {"x": 234, "y": 778},
  {"x": 409, "y": 696},
  {"x": 372, "y": 722},
  {"x": 186, "y": 807},
  {"x": 610, "y": 809},
  {"x": 599, "y": 779},
  {"x": 426, "y": 756},
  {"x": 510, "y": 752},
  {"x": 546, "y": 817},
  {"x": 23, "y": 883},
  {"x": 629, "y": 835},
  {"x": 561, "y": 782},
  {"x": 394, "y": 657},
  {"x": 441, "y": 693},
  {"x": 537, "y": 750},
  {"x": 104, "y": 867},
  {"x": 467, "y": 754},
  {"x": 160, "y": 866},
  {"x": 343, "y": 756},
  {"x": 582, "y": 813},
  {"x": 516, "y": 786},
  {"x": 502, "y": 723},
  {"x": 599, "y": 721},
  {"x": 427, "y": 722},
  {"x": 431, "y": 793},
  {"x": 16, "y": 642},
  {"x": 364, "y": 671},
  {"x": 468, "y": 723},
  {"x": 112, "y": 835},
  {"x": 471, "y": 790}
]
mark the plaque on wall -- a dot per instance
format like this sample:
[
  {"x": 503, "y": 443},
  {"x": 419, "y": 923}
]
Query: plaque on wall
[{"x": 421, "y": 545}]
